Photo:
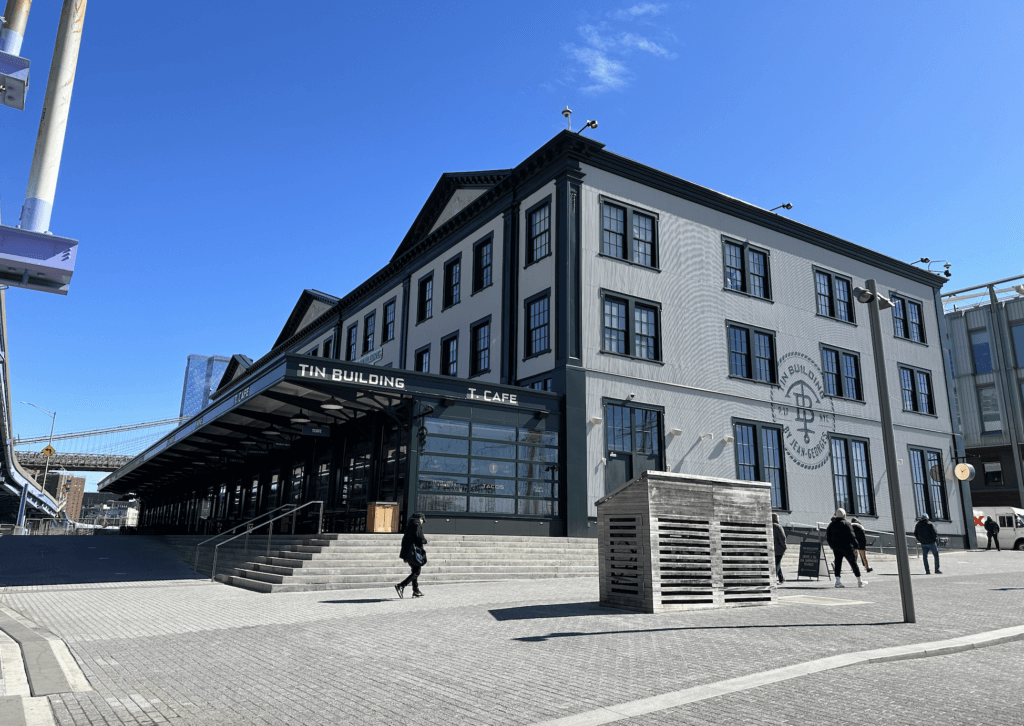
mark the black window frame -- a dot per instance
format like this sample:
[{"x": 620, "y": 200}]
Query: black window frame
[
  {"x": 478, "y": 266},
  {"x": 631, "y": 302},
  {"x": 750, "y": 354},
  {"x": 528, "y": 349},
  {"x": 452, "y": 294},
  {"x": 328, "y": 348},
  {"x": 449, "y": 367},
  {"x": 971, "y": 332},
  {"x": 832, "y": 298},
  {"x": 530, "y": 252},
  {"x": 629, "y": 255},
  {"x": 390, "y": 315},
  {"x": 931, "y": 485},
  {"x": 369, "y": 331},
  {"x": 745, "y": 272},
  {"x": 352, "y": 341},
  {"x": 632, "y": 406},
  {"x": 898, "y": 299},
  {"x": 840, "y": 373},
  {"x": 783, "y": 489},
  {"x": 915, "y": 389},
  {"x": 851, "y": 505},
  {"x": 476, "y": 366},
  {"x": 418, "y": 359},
  {"x": 981, "y": 419},
  {"x": 424, "y": 303},
  {"x": 1017, "y": 345}
]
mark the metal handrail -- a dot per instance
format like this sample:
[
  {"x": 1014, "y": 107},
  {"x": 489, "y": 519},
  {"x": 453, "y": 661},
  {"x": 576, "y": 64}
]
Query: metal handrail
[
  {"x": 270, "y": 532},
  {"x": 195, "y": 566}
]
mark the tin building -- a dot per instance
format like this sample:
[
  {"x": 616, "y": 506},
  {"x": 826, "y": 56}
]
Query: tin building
[{"x": 544, "y": 333}]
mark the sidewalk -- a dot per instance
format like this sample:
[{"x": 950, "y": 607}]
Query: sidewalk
[{"x": 526, "y": 652}]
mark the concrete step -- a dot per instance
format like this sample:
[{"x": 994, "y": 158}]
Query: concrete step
[{"x": 425, "y": 581}]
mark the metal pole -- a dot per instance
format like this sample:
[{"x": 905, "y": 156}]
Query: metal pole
[
  {"x": 42, "y": 180},
  {"x": 46, "y": 469},
  {"x": 1003, "y": 387},
  {"x": 13, "y": 32},
  {"x": 889, "y": 445}
]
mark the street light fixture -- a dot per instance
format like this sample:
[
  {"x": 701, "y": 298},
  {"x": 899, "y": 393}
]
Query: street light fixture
[
  {"x": 24, "y": 490},
  {"x": 869, "y": 295}
]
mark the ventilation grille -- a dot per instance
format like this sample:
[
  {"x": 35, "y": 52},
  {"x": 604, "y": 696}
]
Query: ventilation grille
[
  {"x": 684, "y": 555},
  {"x": 746, "y": 569},
  {"x": 625, "y": 569}
]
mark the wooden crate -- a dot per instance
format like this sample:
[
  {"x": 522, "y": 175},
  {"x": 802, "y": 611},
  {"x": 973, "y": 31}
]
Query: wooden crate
[{"x": 683, "y": 542}]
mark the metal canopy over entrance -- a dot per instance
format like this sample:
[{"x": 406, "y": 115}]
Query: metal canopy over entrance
[{"x": 306, "y": 428}]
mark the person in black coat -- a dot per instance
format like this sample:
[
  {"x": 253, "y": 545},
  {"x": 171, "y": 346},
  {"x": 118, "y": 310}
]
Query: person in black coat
[
  {"x": 862, "y": 541},
  {"x": 412, "y": 544},
  {"x": 926, "y": 535},
  {"x": 780, "y": 546},
  {"x": 842, "y": 540},
  {"x": 992, "y": 529}
]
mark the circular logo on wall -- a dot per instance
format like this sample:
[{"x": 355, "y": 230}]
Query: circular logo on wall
[{"x": 803, "y": 410}]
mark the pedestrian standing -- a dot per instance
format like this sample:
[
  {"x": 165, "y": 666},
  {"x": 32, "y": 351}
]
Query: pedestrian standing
[
  {"x": 780, "y": 546},
  {"x": 413, "y": 554},
  {"x": 862, "y": 541},
  {"x": 926, "y": 535},
  {"x": 842, "y": 540},
  {"x": 992, "y": 528}
]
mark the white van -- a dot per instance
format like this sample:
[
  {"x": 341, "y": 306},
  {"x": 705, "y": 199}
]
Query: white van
[{"x": 1011, "y": 526}]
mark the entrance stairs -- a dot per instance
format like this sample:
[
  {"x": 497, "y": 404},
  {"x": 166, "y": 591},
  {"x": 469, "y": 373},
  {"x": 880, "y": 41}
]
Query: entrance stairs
[{"x": 355, "y": 561}]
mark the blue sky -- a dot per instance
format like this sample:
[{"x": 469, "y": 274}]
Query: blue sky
[{"x": 223, "y": 157}]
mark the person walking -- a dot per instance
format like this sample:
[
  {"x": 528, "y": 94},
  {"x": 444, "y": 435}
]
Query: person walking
[
  {"x": 992, "y": 529},
  {"x": 842, "y": 540},
  {"x": 780, "y": 546},
  {"x": 862, "y": 541},
  {"x": 413, "y": 553},
  {"x": 926, "y": 535}
]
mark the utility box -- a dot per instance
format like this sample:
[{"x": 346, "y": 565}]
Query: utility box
[
  {"x": 382, "y": 517},
  {"x": 671, "y": 542}
]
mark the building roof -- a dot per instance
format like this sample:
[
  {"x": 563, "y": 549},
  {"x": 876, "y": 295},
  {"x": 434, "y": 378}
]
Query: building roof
[{"x": 311, "y": 304}]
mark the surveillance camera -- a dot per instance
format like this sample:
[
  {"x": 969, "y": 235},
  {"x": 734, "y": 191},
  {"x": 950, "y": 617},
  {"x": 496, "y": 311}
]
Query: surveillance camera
[{"x": 632, "y": 396}]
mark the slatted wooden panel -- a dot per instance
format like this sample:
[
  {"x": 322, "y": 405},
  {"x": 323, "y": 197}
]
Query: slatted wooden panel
[
  {"x": 684, "y": 561},
  {"x": 624, "y": 560},
  {"x": 746, "y": 563}
]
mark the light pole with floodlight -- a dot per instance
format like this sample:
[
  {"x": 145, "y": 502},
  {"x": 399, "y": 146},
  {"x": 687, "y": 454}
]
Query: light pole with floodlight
[
  {"x": 875, "y": 302},
  {"x": 24, "y": 490}
]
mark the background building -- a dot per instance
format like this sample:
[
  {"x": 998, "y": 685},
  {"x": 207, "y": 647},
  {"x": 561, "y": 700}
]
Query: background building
[
  {"x": 102, "y": 510},
  {"x": 202, "y": 375},
  {"x": 63, "y": 486},
  {"x": 986, "y": 331}
]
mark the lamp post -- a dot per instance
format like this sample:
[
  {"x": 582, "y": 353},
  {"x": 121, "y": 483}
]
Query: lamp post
[
  {"x": 46, "y": 471},
  {"x": 876, "y": 302}
]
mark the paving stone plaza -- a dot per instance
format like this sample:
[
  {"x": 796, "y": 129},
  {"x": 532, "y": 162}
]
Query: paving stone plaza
[{"x": 168, "y": 647}]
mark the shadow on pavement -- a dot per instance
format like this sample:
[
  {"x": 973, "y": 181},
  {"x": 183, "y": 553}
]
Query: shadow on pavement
[
  {"x": 356, "y": 602},
  {"x": 562, "y": 610},
  {"x": 542, "y": 638},
  {"x": 72, "y": 560}
]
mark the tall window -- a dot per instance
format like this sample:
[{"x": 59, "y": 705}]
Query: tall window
[
  {"x": 832, "y": 294},
  {"x": 842, "y": 373},
  {"x": 452, "y": 282},
  {"x": 389, "y": 321},
  {"x": 538, "y": 326},
  {"x": 751, "y": 353},
  {"x": 906, "y": 319},
  {"x": 329, "y": 348},
  {"x": 480, "y": 337},
  {"x": 928, "y": 477},
  {"x": 423, "y": 359},
  {"x": 851, "y": 475},
  {"x": 1017, "y": 336},
  {"x": 351, "y": 341},
  {"x": 450, "y": 355},
  {"x": 482, "y": 264},
  {"x": 916, "y": 387},
  {"x": 981, "y": 351},
  {"x": 988, "y": 409},
  {"x": 632, "y": 327},
  {"x": 369, "y": 329},
  {"x": 634, "y": 443},
  {"x": 628, "y": 234},
  {"x": 425, "y": 299},
  {"x": 746, "y": 269},
  {"x": 538, "y": 242},
  {"x": 759, "y": 457}
]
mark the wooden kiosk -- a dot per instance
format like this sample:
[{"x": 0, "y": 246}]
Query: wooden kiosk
[{"x": 683, "y": 542}]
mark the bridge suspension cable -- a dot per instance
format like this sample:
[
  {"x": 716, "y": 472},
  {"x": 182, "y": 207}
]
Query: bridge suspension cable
[{"x": 18, "y": 441}]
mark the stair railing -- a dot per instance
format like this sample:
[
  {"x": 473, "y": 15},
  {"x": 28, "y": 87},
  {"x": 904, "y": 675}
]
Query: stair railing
[
  {"x": 270, "y": 532},
  {"x": 249, "y": 524}
]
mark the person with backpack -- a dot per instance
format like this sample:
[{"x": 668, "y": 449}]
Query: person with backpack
[
  {"x": 413, "y": 553},
  {"x": 780, "y": 546},
  {"x": 842, "y": 540},
  {"x": 926, "y": 535},
  {"x": 992, "y": 529},
  {"x": 862, "y": 541}
]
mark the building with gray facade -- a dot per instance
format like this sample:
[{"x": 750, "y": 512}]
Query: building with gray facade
[
  {"x": 544, "y": 333},
  {"x": 986, "y": 333},
  {"x": 202, "y": 374}
]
